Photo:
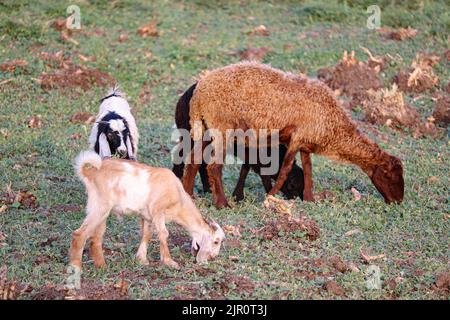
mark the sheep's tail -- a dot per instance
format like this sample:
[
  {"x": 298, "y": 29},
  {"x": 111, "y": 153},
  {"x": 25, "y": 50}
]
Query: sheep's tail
[
  {"x": 182, "y": 109},
  {"x": 87, "y": 164}
]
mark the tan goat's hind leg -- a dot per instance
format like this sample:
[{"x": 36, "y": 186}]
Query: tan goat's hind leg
[
  {"x": 160, "y": 227},
  {"x": 95, "y": 249},
  {"x": 146, "y": 232},
  {"x": 307, "y": 170},
  {"x": 286, "y": 167},
  {"x": 92, "y": 221}
]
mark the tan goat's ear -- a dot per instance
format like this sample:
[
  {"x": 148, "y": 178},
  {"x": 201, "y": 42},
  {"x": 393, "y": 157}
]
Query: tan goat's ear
[{"x": 212, "y": 224}]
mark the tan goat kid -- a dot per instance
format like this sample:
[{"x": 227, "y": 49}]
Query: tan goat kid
[{"x": 156, "y": 194}]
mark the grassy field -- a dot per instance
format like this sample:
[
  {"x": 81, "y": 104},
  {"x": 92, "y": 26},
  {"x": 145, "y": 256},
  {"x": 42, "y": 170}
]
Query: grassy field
[{"x": 194, "y": 36}]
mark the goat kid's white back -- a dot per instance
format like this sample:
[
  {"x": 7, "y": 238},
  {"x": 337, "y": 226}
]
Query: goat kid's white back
[{"x": 120, "y": 106}]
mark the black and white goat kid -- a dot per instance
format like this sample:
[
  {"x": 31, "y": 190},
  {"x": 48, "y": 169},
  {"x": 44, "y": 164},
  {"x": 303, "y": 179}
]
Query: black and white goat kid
[{"x": 114, "y": 132}]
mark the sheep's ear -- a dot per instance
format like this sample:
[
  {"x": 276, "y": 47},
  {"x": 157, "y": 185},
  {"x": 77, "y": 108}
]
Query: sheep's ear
[
  {"x": 102, "y": 122},
  {"x": 103, "y": 146}
]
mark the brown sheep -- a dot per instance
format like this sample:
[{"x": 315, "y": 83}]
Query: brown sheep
[{"x": 307, "y": 115}]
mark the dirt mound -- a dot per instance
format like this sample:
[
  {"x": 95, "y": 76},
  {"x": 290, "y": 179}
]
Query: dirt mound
[
  {"x": 56, "y": 60},
  {"x": 441, "y": 113},
  {"x": 301, "y": 226},
  {"x": 399, "y": 34},
  {"x": 82, "y": 117},
  {"x": 13, "y": 65},
  {"x": 75, "y": 77},
  {"x": 285, "y": 223},
  {"x": 230, "y": 283},
  {"x": 19, "y": 199},
  {"x": 350, "y": 76},
  {"x": 388, "y": 107},
  {"x": 89, "y": 291},
  {"x": 10, "y": 289},
  {"x": 420, "y": 76},
  {"x": 253, "y": 53}
]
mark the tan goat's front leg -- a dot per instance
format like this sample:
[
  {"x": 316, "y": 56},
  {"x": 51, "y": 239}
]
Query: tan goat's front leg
[
  {"x": 95, "y": 249},
  {"x": 160, "y": 227},
  {"x": 146, "y": 231}
]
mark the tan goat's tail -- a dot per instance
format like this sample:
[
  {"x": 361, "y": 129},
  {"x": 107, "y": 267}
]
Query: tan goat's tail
[{"x": 87, "y": 163}]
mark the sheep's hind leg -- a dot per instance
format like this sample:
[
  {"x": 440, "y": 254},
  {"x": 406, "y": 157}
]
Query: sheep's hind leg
[
  {"x": 307, "y": 171},
  {"x": 191, "y": 169},
  {"x": 238, "y": 192},
  {"x": 286, "y": 167},
  {"x": 204, "y": 178}
]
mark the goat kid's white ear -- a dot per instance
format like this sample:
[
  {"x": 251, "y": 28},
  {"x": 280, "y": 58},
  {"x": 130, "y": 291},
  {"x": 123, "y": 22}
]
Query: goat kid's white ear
[{"x": 103, "y": 146}]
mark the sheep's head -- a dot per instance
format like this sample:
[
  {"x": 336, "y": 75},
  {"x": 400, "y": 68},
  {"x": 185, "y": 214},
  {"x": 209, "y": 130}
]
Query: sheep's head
[
  {"x": 388, "y": 179},
  {"x": 208, "y": 247},
  {"x": 294, "y": 185},
  {"x": 113, "y": 134}
]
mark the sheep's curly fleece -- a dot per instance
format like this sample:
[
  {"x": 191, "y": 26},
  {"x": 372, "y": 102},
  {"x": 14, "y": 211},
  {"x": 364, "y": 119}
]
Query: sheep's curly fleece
[{"x": 257, "y": 96}]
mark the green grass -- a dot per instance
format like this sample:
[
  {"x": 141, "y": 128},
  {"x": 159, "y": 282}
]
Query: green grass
[{"x": 194, "y": 36}]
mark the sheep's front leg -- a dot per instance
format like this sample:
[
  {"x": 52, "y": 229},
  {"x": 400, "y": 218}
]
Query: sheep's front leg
[
  {"x": 215, "y": 179},
  {"x": 286, "y": 167},
  {"x": 191, "y": 169},
  {"x": 307, "y": 171},
  {"x": 95, "y": 249},
  {"x": 160, "y": 227},
  {"x": 238, "y": 192},
  {"x": 146, "y": 231}
]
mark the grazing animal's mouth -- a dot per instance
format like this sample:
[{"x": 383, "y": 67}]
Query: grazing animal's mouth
[{"x": 195, "y": 250}]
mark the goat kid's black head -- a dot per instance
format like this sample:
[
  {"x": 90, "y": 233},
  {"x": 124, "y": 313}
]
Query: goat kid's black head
[{"x": 115, "y": 135}]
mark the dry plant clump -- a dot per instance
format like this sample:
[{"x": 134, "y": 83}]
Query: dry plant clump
[
  {"x": 388, "y": 107},
  {"x": 420, "y": 76},
  {"x": 149, "y": 29},
  {"x": 260, "y": 30}
]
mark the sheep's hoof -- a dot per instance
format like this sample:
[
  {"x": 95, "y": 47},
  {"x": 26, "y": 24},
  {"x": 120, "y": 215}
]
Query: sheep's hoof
[
  {"x": 308, "y": 197},
  {"x": 222, "y": 204},
  {"x": 172, "y": 264},
  {"x": 238, "y": 196}
]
